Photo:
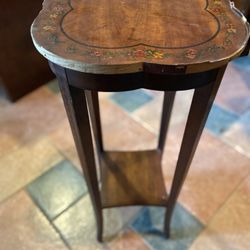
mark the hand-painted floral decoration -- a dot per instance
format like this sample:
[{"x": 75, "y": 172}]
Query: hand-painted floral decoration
[{"x": 215, "y": 7}]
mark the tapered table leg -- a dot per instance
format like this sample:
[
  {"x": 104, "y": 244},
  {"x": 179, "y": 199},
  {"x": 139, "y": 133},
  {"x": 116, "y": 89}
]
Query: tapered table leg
[
  {"x": 94, "y": 111},
  {"x": 201, "y": 104},
  {"x": 77, "y": 111},
  {"x": 167, "y": 107}
]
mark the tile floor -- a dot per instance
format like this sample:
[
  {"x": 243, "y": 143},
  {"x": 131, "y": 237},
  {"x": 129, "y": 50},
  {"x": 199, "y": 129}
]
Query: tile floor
[{"x": 44, "y": 202}]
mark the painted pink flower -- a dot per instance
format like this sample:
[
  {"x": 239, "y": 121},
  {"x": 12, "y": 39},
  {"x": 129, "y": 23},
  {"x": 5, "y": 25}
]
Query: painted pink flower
[
  {"x": 58, "y": 8},
  {"x": 218, "y": 10},
  {"x": 139, "y": 53},
  {"x": 97, "y": 53},
  {"x": 191, "y": 53}
]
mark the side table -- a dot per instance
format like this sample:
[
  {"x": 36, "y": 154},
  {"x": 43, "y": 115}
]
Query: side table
[{"x": 121, "y": 45}]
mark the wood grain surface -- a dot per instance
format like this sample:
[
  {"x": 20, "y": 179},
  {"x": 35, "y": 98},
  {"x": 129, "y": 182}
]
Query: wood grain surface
[
  {"x": 122, "y": 36},
  {"x": 132, "y": 178}
]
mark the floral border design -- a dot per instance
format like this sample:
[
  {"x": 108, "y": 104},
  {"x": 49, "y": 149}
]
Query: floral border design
[{"x": 215, "y": 7}]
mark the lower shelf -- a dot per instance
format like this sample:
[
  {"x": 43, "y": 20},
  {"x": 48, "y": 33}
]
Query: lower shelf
[{"x": 132, "y": 178}]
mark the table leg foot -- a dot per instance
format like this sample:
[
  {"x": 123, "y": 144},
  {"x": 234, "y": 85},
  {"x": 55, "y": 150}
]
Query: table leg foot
[
  {"x": 167, "y": 231},
  {"x": 100, "y": 232}
]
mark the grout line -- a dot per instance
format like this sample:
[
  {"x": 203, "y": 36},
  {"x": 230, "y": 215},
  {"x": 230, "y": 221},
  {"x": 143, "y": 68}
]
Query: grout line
[
  {"x": 50, "y": 222},
  {"x": 143, "y": 124},
  {"x": 237, "y": 148},
  {"x": 70, "y": 205},
  {"x": 26, "y": 184},
  {"x": 134, "y": 118},
  {"x": 222, "y": 139},
  {"x": 228, "y": 198},
  {"x": 142, "y": 238}
]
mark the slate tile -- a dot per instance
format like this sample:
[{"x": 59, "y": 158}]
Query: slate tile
[
  {"x": 150, "y": 113},
  {"x": 219, "y": 120},
  {"x": 62, "y": 139},
  {"x": 128, "y": 239},
  {"x": 122, "y": 132},
  {"x": 238, "y": 136},
  {"x": 57, "y": 189},
  {"x": 53, "y": 86},
  {"x": 234, "y": 91},
  {"x": 24, "y": 164},
  {"x": 184, "y": 228},
  {"x": 216, "y": 170},
  {"x": 131, "y": 100},
  {"x": 230, "y": 227},
  {"x": 78, "y": 227},
  {"x": 32, "y": 117},
  {"x": 23, "y": 226}
]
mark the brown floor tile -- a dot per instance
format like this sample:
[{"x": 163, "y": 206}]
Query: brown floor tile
[
  {"x": 235, "y": 87},
  {"x": 23, "y": 226},
  {"x": 215, "y": 172},
  {"x": 104, "y": 95},
  {"x": 150, "y": 114},
  {"x": 62, "y": 139},
  {"x": 238, "y": 136},
  {"x": 230, "y": 227},
  {"x": 3, "y": 102},
  {"x": 31, "y": 117},
  {"x": 121, "y": 132},
  {"x": 78, "y": 227},
  {"x": 24, "y": 164},
  {"x": 129, "y": 240}
]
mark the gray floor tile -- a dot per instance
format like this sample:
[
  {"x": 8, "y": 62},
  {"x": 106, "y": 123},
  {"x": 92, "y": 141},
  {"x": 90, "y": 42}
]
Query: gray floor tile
[
  {"x": 219, "y": 120},
  {"x": 131, "y": 100},
  {"x": 57, "y": 189},
  {"x": 184, "y": 228},
  {"x": 54, "y": 87}
]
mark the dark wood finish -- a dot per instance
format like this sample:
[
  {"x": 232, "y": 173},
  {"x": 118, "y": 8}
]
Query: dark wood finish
[
  {"x": 161, "y": 45},
  {"x": 77, "y": 111},
  {"x": 22, "y": 69},
  {"x": 123, "y": 82},
  {"x": 93, "y": 104},
  {"x": 244, "y": 6},
  {"x": 133, "y": 36},
  {"x": 168, "y": 102},
  {"x": 132, "y": 178},
  {"x": 202, "y": 102}
]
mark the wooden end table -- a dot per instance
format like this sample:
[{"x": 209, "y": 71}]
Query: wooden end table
[{"x": 119, "y": 45}]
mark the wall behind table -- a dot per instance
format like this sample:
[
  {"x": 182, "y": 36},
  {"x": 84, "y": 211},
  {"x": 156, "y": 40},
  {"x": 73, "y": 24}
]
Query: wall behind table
[{"x": 22, "y": 68}]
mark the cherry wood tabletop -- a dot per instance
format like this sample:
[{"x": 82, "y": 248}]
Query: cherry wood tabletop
[{"x": 127, "y": 36}]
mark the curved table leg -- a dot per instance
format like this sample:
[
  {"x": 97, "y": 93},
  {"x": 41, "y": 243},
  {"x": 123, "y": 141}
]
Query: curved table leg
[
  {"x": 201, "y": 104},
  {"x": 77, "y": 111}
]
